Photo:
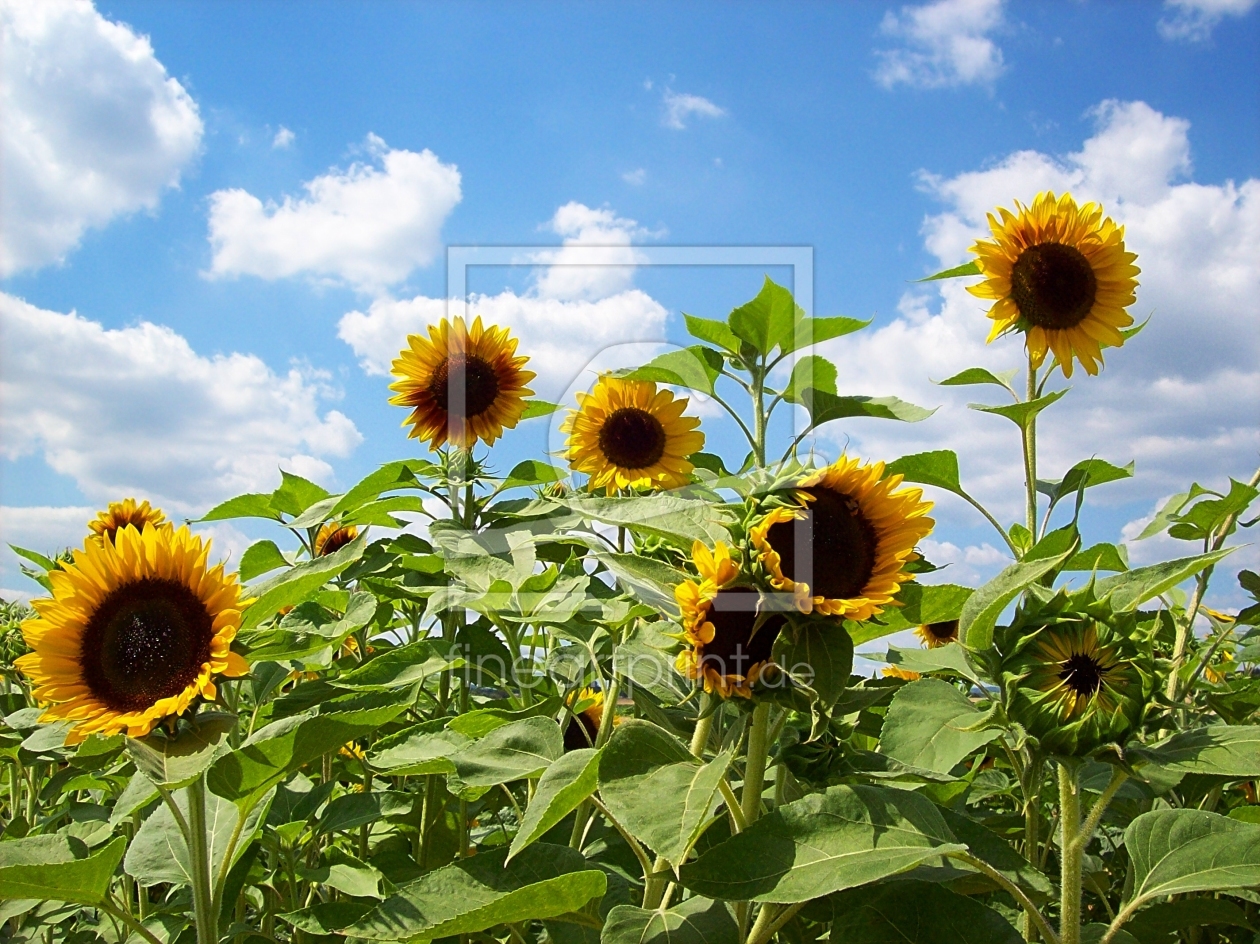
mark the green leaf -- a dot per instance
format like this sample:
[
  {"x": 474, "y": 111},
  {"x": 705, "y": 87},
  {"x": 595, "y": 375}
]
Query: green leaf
[
  {"x": 951, "y": 659},
  {"x": 1219, "y": 750},
  {"x": 967, "y": 268},
  {"x": 811, "y": 372},
  {"x": 315, "y": 514},
  {"x": 694, "y": 921},
  {"x": 982, "y": 609},
  {"x": 927, "y": 726},
  {"x": 973, "y": 376},
  {"x": 296, "y": 494},
  {"x": 656, "y": 789},
  {"x": 715, "y": 332},
  {"x": 274, "y": 751},
  {"x": 818, "y": 656},
  {"x": 1173, "y": 852},
  {"x": 57, "y": 868},
  {"x": 348, "y": 875},
  {"x": 259, "y": 558},
  {"x": 479, "y": 723},
  {"x": 398, "y": 668},
  {"x": 535, "y": 408},
  {"x": 326, "y": 917},
  {"x": 159, "y": 854},
  {"x": 354, "y": 809},
  {"x": 477, "y": 893},
  {"x": 1021, "y": 414},
  {"x": 811, "y": 331},
  {"x": 939, "y": 468},
  {"x": 1165, "y": 918},
  {"x": 243, "y": 506},
  {"x": 997, "y": 852},
  {"x": 1130, "y": 590},
  {"x": 416, "y": 751},
  {"x": 531, "y": 472},
  {"x": 823, "y": 843},
  {"x": 562, "y": 787},
  {"x": 915, "y": 911},
  {"x": 920, "y": 603},
  {"x": 696, "y": 368},
  {"x": 512, "y": 752},
  {"x": 680, "y": 521},
  {"x": 650, "y": 580},
  {"x": 297, "y": 583},
  {"x": 34, "y": 557},
  {"x": 1084, "y": 474},
  {"x": 1104, "y": 557},
  {"x": 767, "y": 320},
  {"x": 1164, "y": 517},
  {"x": 825, "y": 407},
  {"x": 172, "y": 763},
  {"x": 393, "y": 475}
]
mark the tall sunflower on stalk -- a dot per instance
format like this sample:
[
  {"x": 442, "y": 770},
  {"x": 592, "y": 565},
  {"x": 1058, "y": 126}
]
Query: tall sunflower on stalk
[
  {"x": 842, "y": 547},
  {"x": 1059, "y": 273},
  {"x": 627, "y": 434},
  {"x": 121, "y": 514},
  {"x": 461, "y": 384},
  {"x": 135, "y": 630},
  {"x": 728, "y": 632}
]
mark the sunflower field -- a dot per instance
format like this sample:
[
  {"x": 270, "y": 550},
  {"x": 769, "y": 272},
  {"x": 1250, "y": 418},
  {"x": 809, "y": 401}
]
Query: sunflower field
[{"x": 608, "y": 697}]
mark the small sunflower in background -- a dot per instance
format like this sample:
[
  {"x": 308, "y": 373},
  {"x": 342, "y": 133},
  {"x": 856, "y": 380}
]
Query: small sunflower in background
[
  {"x": 628, "y": 434},
  {"x": 135, "y": 630},
  {"x": 121, "y": 514},
  {"x": 1059, "y": 273},
  {"x": 583, "y": 727},
  {"x": 476, "y": 365},
  {"x": 729, "y": 636},
  {"x": 842, "y": 550},
  {"x": 332, "y": 537},
  {"x": 935, "y": 635},
  {"x": 897, "y": 672}
]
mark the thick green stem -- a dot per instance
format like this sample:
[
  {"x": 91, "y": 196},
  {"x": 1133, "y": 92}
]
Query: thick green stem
[
  {"x": 1030, "y": 455},
  {"x": 199, "y": 861},
  {"x": 1070, "y": 855},
  {"x": 755, "y": 766},
  {"x": 759, "y": 416}
]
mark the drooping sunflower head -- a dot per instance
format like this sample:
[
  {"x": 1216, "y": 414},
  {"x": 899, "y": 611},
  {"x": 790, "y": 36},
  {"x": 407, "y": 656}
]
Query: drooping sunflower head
[
  {"x": 121, "y": 514},
  {"x": 935, "y": 635},
  {"x": 461, "y": 384},
  {"x": 842, "y": 549},
  {"x": 332, "y": 537},
  {"x": 727, "y": 628},
  {"x": 135, "y": 630},
  {"x": 588, "y": 710},
  {"x": 1059, "y": 273},
  {"x": 1074, "y": 673},
  {"x": 628, "y": 434}
]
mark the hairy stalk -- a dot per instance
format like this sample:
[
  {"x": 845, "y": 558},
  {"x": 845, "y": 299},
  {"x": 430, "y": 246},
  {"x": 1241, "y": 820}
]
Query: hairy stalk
[
  {"x": 1070, "y": 855},
  {"x": 755, "y": 767},
  {"x": 199, "y": 859},
  {"x": 1030, "y": 455}
]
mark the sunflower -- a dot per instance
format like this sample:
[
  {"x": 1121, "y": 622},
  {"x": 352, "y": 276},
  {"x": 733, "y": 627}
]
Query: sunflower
[
  {"x": 627, "y": 434},
  {"x": 461, "y": 384},
  {"x": 935, "y": 635},
  {"x": 135, "y": 630},
  {"x": 729, "y": 637},
  {"x": 897, "y": 672},
  {"x": 1060, "y": 273},
  {"x": 332, "y": 537},
  {"x": 841, "y": 551},
  {"x": 583, "y": 727},
  {"x": 120, "y": 514}
]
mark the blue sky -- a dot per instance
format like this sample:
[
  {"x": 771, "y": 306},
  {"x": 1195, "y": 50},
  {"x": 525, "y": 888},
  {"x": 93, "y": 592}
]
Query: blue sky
[{"x": 216, "y": 340}]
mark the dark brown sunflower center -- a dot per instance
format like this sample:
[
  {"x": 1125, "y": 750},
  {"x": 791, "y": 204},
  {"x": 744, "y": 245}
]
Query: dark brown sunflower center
[
  {"x": 632, "y": 438},
  {"x": 1053, "y": 286},
  {"x": 469, "y": 377},
  {"x": 735, "y": 647},
  {"x": 336, "y": 541},
  {"x": 946, "y": 631},
  {"x": 1082, "y": 673},
  {"x": 146, "y": 641},
  {"x": 582, "y": 729},
  {"x": 841, "y": 542}
]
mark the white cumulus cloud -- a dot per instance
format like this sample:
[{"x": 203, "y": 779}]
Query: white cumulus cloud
[
  {"x": 680, "y": 106},
  {"x": 577, "y": 318},
  {"x": 945, "y": 43},
  {"x": 1193, "y": 20},
  {"x": 91, "y": 127},
  {"x": 137, "y": 411},
  {"x": 1179, "y": 398},
  {"x": 284, "y": 137},
  {"x": 368, "y": 225}
]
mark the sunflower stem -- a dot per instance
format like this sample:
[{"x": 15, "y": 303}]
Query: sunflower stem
[
  {"x": 1071, "y": 855},
  {"x": 199, "y": 861},
  {"x": 755, "y": 767},
  {"x": 1030, "y": 453}
]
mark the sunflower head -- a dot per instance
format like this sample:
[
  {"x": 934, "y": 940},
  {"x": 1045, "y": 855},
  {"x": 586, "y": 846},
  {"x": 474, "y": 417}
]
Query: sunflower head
[
  {"x": 136, "y": 629},
  {"x": 728, "y": 631},
  {"x": 628, "y": 434},
  {"x": 461, "y": 384},
  {"x": 588, "y": 710},
  {"x": 332, "y": 537},
  {"x": 841, "y": 550},
  {"x": 105, "y": 525},
  {"x": 1059, "y": 273},
  {"x": 935, "y": 635},
  {"x": 1074, "y": 673},
  {"x": 897, "y": 672}
]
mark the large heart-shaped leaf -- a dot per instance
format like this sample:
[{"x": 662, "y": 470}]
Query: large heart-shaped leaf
[
  {"x": 57, "y": 868},
  {"x": 927, "y": 726}
]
